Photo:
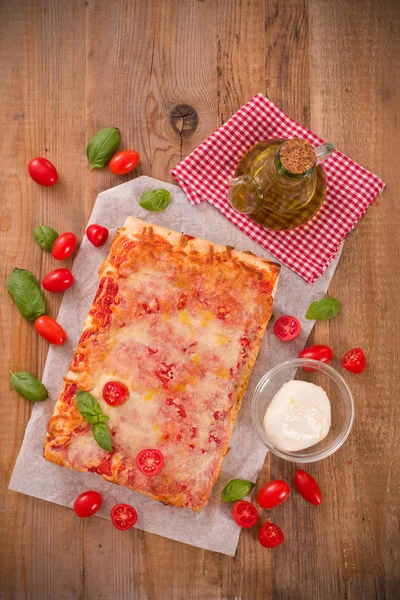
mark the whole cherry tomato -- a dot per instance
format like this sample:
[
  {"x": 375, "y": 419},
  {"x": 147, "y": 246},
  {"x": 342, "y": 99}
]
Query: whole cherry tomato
[
  {"x": 64, "y": 246},
  {"x": 123, "y": 516},
  {"x": 50, "y": 330},
  {"x": 245, "y": 514},
  {"x": 307, "y": 487},
  {"x": 150, "y": 461},
  {"x": 115, "y": 393},
  {"x": 87, "y": 504},
  {"x": 287, "y": 328},
  {"x": 124, "y": 162},
  {"x": 354, "y": 360},
  {"x": 270, "y": 535},
  {"x": 273, "y": 493},
  {"x": 58, "y": 280},
  {"x": 97, "y": 235},
  {"x": 43, "y": 171},
  {"x": 322, "y": 353}
]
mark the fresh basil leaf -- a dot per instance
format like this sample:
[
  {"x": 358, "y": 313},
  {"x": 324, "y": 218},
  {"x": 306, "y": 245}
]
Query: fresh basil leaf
[
  {"x": 28, "y": 386},
  {"x": 26, "y": 293},
  {"x": 102, "y": 418},
  {"x": 324, "y": 309},
  {"x": 102, "y": 147},
  {"x": 88, "y": 406},
  {"x": 45, "y": 237},
  {"x": 102, "y": 436},
  {"x": 236, "y": 490},
  {"x": 155, "y": 200}
]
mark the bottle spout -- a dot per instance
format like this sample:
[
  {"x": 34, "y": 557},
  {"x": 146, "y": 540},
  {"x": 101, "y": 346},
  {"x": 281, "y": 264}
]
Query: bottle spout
[
  {"x": 323, "y": 151},
  {"x": 244, "y": 194}
]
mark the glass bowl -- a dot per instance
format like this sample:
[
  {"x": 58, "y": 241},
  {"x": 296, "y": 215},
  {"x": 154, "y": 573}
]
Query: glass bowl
[{"x": 339, "y": 394}]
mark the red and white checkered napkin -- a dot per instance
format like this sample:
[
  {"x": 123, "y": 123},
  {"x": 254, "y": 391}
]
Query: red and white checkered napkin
[{"x": 307, "y": 250}]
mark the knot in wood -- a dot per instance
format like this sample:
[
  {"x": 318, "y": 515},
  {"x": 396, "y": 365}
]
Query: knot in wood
[{"x": 184, "y": 120}]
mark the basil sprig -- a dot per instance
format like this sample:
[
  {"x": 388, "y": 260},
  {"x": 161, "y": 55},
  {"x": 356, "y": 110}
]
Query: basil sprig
[
  {"x": 28, "y": 386},
  {"x": 236, "y": 490},
  {"x": 91, "y": 411},
  {"x": 155, "y": 200},
  {"x": 102, "y": 147},
  {"x": 324, "y": 309},
  {"x": 26, "y": 293},
  {"x": 45, "y": 237}
]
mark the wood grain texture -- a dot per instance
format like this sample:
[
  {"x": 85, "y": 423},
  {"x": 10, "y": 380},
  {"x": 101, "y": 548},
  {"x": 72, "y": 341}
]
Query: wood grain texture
[{"x": 69, "y": 68}]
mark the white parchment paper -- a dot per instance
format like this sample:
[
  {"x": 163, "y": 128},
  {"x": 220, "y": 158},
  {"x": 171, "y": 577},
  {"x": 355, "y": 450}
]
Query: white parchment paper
[{"x": 212, "y": 528}]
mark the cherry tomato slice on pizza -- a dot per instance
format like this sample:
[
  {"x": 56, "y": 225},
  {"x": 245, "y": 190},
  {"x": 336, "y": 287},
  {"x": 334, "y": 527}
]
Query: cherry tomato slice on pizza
[
  {"x": 115, "y": 393},
  {"x": 287, "y": 328},
  {"x": 150, "y": 461},
  {"x": 354, "y": 360},
  {"x": 270, "y": 535},
  {"x": 123, "y": 516},
  {"x": 245, "y": 514},
  {"x": 87, "y": 504}
]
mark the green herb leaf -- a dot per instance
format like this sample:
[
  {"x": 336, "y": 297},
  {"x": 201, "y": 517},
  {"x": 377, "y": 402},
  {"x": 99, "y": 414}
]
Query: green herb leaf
[
  {"x": 28, "y": 386},
  {"x": 324, "y": 309},
  {"x": 26, "y": 293},
  {"x": 91, "y": 411},
  {"x": 236, "y": 490},
  {"x": 155, "y": 200},
  {"x": 88, "y": 406},
  {"x": 102, "y": 436},
  {"x": 102, "y": 147},
  {"x": 45, "y": 237}
]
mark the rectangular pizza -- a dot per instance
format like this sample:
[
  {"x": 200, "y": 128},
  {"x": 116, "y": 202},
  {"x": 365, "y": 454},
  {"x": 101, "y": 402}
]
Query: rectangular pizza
[{"x": 166, "y": 351}]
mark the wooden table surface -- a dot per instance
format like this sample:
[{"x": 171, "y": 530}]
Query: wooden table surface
[{"x": 71, "y": 67}]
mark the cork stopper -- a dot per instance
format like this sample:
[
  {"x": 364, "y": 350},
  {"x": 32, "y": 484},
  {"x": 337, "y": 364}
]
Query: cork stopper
[{"x": 297, "y": 156}]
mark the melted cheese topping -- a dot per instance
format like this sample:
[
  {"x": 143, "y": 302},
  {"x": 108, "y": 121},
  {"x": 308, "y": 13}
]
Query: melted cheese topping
[{"x": 178, "y": 331}]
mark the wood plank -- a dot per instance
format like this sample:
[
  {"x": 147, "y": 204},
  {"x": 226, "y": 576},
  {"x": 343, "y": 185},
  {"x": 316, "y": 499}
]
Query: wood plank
[{"x": 42, "y": 51}]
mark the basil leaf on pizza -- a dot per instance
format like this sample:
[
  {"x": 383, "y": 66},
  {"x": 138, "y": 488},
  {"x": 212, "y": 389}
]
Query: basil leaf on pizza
[
  {"x": 102, "y": 436},
  {"x": 91, "y": 411}
]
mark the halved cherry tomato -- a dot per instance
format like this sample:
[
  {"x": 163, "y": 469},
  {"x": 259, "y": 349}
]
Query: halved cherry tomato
[
  {"x": 87, "y": 504},
  {"x": 150, "y": 461},
  {"x": 273, "y": 493},
  {"x": 115, "y": 393},
  {"x": 245, "y": 514},
  {"x": 58, "y": 280},
  {"x": 50, "y": 330},
  {"x": 322, "y": 353},
  {"x": 354, "y": 360},
  {"x": 124, "y": 162},
  {"x": 307, "y": 487},
  {"x": 64, "y": 245},
  {"x": 123, "y": 516},
  {"x": 270, "y": 535},
  {"x": 97, "y": 235},
  {"x": 287, "y": 328},
  {"x": 43, "y": 171}
]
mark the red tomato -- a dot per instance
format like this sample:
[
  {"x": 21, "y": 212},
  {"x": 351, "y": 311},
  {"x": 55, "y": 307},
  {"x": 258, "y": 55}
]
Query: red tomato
[
  {"x": 307, "y": 487},
  {"x": 87, "y": 504},
  {"x": 123, "y": 516},
  {"x": 64, "y": 245},
  {"x": 42, "y": 171},
  {"x": 149, "y": 462},
  {"x": 354, "y": 360},
  {"x": 270, "y": 535},
  {"x": 287, "y": 328},
  {"x": 115, "y": 393},
  {"x": 124, "y": 162},
  {"x": 50, "y": 330},
  {"x": 322, "y": 353},
  {"x": 273, "y": 494},
  {"x": 58, "y": 280},
  {"x": 97, "y": 235},
  {"x": 245, "y": 514}
]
